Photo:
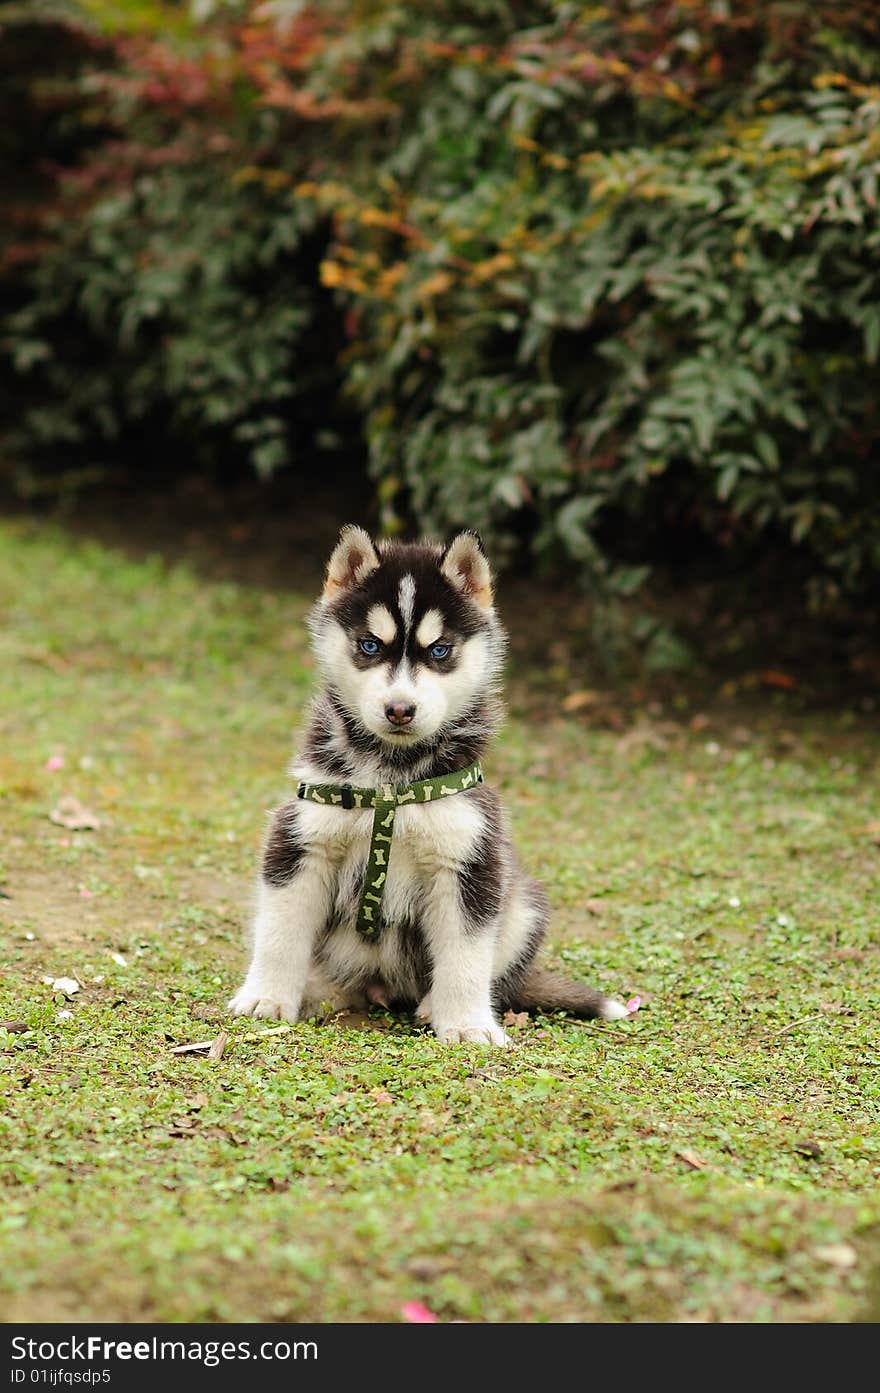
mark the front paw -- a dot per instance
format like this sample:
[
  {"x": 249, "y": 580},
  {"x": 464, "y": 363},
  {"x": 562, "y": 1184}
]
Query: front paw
[
  {"x": 254, "y": 1002},
  {"x": 480, "y": 1032}
]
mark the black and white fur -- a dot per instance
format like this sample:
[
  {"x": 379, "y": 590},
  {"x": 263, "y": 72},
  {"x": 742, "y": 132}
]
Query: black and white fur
[{"x": 462, "y": 923}]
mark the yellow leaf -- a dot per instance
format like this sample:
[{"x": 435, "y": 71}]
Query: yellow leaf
[
  {"x": 485, "y": 270},
  {"x": 388, "y": 279},
  {"x": 691, "y": 1159},
  {"x": 436, "y": 284},
  {"x": 576, "y": 701},
  {"x": 332, "y": 273},
  {"x": 555, "y": 161},
  {"x": 375, "y": 217}
]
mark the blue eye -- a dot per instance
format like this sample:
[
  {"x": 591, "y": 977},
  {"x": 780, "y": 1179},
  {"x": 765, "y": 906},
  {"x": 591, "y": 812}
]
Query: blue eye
[
  {"x": 440, "y": 650},
  {"x": 370, "y": 646}
]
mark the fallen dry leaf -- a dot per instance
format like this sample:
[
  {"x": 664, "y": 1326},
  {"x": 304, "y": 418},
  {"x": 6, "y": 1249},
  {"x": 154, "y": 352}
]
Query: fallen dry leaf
[
  {"x": 53, "y": 661},
  {"x": 68, "y": 985},
  {"x": 218, "y": 1045},
  {"x": 646, "y": 735},
  {"x": 431, "y": 1121},
  {"x": 595, "y": 906},
  {"x": 576, "y": 701},
  {"x": 222, "y": 1134},
  {"x": 203, "y": 1012},
  {"x": 197, "y": 1101},
  {"x": 182, "y": 1127},
  {"x": 783, "y": 680},
  {"x": 515, "y": 1018},
  {"x": 804, "y": 1146},
  {"x": 691, "y": 1159},
  {"x": 869, "y": 829},
  {"x": 14, "y": 1027},
  {"x": 837, "y": 1254},
  {"x": 425, "y": 1269},
  {"x": 74, "y": 814}
]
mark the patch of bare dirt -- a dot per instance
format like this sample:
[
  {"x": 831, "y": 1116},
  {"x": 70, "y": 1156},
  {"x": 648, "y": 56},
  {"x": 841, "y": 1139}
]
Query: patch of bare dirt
[{"x": 50, "y": 905}]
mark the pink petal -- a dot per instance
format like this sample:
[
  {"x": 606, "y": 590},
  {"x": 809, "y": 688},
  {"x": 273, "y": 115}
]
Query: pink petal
[
  {"x": 417, "y": 1314},
  {"x": 84, "y": 894},
  {"x": 55, "y": 762},
  {"x": 633, "y": 1004}
]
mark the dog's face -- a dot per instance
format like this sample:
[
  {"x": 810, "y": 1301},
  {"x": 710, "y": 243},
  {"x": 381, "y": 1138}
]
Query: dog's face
[{"x": 406, "y": 635}]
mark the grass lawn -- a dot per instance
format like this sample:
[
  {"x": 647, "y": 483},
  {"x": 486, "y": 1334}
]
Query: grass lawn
[{"x": 716, "y": 1157}]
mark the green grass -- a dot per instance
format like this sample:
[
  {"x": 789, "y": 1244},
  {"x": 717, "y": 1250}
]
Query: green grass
[{"x": 651, "y": 1170}]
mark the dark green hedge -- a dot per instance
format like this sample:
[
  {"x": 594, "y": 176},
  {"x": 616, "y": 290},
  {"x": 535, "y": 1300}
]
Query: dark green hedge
[{"x": 602, "y": 281}]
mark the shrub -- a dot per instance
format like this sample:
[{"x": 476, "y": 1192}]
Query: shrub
[
  {"x": 176, "y": 309},
  {"x": 608, "y": 276}
]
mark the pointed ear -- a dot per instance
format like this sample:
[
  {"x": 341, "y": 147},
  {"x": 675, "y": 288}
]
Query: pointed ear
[
  {"x": 464, "y": 563},
  {"x": 354, "y": 557}
]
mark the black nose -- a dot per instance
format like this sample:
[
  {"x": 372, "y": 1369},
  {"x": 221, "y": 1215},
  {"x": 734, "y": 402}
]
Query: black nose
[{"x": 399, "y": 714}]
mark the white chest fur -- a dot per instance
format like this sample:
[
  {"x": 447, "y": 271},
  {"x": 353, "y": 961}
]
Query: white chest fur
[{"x": 428, "y": 839}]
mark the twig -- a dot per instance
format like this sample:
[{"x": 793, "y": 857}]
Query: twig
[
  {"x": 209, "y": 1045},
  {"x": 804, "y": 1020},
  {"x": 273, "y": 1030}
]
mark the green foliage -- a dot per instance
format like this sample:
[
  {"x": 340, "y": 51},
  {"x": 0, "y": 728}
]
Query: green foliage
[
  {"x": 204, "y": 332},
  {"x": 605, "y": 280},
  {"x": 174, "y": 305},
  {"x": 656, "y": 305}
]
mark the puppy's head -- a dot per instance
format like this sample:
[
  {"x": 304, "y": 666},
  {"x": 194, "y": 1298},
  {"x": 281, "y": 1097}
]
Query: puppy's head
[{"x": 407, "y": 635}]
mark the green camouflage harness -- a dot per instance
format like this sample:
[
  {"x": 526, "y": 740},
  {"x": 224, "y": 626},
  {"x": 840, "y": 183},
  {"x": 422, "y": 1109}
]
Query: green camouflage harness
[{"x": 385, "y": 800}]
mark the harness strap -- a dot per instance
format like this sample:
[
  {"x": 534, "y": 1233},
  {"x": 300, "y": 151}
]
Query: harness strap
[{"x": 385, "y": 801}]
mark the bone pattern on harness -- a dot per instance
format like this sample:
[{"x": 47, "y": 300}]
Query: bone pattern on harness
[{"x": 385, "y": 801}]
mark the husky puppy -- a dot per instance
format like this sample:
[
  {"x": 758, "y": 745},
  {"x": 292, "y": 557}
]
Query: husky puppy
[{"x": 410, "y": 650}]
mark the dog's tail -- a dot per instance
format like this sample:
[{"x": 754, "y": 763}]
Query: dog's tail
[{"x": 542, "y": 990}]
